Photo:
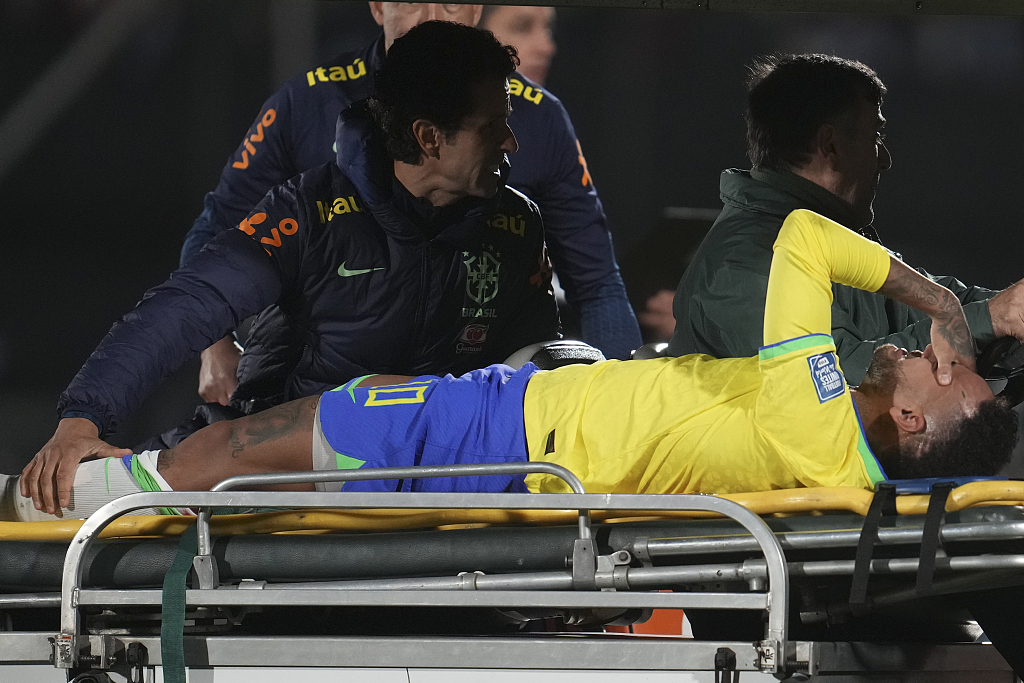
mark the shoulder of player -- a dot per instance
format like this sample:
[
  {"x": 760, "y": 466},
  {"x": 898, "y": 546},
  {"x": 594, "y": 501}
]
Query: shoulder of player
[
  {"x": 516, "y": 214},
  {"x": 347, "y": 73},
  {"x": 529, "y": 98}
]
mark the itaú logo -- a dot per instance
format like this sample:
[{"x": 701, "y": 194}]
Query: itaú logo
[
  {"x": 356, "y": 69},
  {"x": 528, "y": 93}
]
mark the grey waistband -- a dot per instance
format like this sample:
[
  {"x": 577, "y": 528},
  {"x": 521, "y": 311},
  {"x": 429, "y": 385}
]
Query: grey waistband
[{"x": 324, "y": 457}]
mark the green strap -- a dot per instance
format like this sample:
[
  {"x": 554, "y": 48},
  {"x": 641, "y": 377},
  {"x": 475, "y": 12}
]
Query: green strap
[{"x": 172, "y": 608}]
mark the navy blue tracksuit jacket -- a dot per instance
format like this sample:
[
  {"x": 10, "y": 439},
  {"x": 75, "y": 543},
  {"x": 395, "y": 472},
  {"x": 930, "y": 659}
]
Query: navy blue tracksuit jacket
[
  {"x": 364, "y": 278},
  {"x": 295, "y": 132}
]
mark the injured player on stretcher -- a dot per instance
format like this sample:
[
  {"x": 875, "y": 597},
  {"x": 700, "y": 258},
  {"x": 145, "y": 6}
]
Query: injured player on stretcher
[{"x": 783, "y": 419}]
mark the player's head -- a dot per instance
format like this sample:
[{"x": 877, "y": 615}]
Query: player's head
[
  {"x": 821, "y": 110},
  {"x": 936, "y": 430},
  {"x": 396, "y": 18},
  {"x": 529, "y": 29},
  {"x": 441, "y": 99}
]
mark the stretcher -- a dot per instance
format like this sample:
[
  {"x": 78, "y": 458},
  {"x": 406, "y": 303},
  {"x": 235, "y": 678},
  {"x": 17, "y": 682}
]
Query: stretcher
[{"x": 831, "y": 578}]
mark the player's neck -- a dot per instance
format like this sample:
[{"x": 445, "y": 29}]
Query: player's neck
[{"x": 879, "y": 429}]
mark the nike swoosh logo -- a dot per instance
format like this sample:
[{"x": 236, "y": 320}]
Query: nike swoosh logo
[{"x": 345, "y": 272}]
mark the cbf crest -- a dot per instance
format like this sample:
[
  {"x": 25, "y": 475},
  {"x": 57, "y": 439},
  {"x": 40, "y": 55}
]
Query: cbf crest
[
  {"x": 828, "y": 380},
  {"x": 482, "y": 275}
]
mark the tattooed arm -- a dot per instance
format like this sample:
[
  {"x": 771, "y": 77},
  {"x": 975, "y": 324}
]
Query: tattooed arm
[
  {"x": 279, "y": 439},
  {"x": 951, "y": 337}
]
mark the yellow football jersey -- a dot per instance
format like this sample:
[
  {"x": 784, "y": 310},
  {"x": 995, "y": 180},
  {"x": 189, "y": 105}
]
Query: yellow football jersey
[{"x": 784, "y": 419}]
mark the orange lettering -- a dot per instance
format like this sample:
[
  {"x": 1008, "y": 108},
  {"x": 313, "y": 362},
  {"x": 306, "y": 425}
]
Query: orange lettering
[
  {"x": 275, "y": 240},
  {"x": 269, "y": 117},
  {"x": 583, "y": 162},
  {"x": 289, "y": 226},
  {"x": 244, "y": 163},
  {"x": 258, "y": 137},
  {"x": 248, "y": 146},
  {"x": 255, "y": 219}
]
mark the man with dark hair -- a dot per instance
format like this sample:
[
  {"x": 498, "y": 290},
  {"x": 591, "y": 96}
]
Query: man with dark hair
[
  {"x": 785, "y": 418},
  {"x": 423, "y": 264},
  {"x": 815, "y": 138},
  {"x": 294, "y": 131}
]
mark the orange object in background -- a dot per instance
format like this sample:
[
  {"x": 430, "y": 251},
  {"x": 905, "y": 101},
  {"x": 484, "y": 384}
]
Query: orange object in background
[{"x": 663, "y": 622}]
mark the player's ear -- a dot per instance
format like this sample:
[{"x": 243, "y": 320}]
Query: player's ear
[
  {"x": 428, "y": 136},
  {"x": 908, "y": 420}
]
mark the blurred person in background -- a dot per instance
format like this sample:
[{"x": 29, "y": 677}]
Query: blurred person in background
[
  {"x": 530, "y": 30},
  {"x": 294, "y": 131}
]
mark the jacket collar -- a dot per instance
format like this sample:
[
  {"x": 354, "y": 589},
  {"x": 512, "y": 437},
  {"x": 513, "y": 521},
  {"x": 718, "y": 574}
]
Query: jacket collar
[{"x": 780, "y": 193}]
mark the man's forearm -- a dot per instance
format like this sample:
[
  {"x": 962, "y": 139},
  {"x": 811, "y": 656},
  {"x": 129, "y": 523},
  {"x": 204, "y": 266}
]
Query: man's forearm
[{"x": 913, "y": 289}]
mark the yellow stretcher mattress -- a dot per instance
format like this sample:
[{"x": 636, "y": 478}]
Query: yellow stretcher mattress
[{"x": 789, "y": 501}]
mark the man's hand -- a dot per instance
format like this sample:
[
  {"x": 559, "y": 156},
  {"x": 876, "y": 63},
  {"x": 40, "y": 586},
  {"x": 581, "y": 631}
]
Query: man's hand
[
  {"x": 657, "y": 316},
  {"x": 48, "y": 478},
  {"x": 218, "y": 374},
  {"x": 1007, "y": 311}
]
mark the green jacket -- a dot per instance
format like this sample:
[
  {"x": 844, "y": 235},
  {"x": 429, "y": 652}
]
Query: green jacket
[{"x": 719, "y": 305}]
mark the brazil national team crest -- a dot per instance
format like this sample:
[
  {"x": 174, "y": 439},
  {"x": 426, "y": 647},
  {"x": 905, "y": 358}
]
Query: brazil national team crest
[
  {"x": 828, "y": 381},
  {"x": 481, "y": 276}
]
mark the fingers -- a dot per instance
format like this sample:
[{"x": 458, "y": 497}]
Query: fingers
[
  {"x": 48, "y": 478},
  {"x": 945, "y": 373}
]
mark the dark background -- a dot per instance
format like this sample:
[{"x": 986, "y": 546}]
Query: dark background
[{"x": 95, "y": 211}]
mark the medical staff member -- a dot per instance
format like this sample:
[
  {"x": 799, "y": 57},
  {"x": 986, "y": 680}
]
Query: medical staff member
[
  {"x": 294, "y": 131},
  {"x": 816, "y": 139}
]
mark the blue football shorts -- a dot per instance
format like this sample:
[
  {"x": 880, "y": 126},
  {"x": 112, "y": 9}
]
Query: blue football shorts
[{"x": 472, "y": 419}]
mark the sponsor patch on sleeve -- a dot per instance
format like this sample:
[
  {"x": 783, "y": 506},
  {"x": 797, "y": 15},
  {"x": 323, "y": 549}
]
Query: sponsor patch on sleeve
[{"x": 828, "y": 380}]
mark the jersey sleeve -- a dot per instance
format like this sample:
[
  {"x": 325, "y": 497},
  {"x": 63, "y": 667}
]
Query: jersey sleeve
[
  {"x": 262, "y": 160},
  {"x": 810, "y": 253}
]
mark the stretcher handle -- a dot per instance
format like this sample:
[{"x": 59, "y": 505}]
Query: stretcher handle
[{"x": 372, "y": 473}]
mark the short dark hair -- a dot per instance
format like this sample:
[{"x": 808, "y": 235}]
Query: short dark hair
[
  {"x": 431, "y": 73},
  {"x": 976, "y": 445},
  {"x": 792, "y": 96}
]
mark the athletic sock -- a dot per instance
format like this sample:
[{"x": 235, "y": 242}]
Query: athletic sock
[{"x": 97, "y": 482}]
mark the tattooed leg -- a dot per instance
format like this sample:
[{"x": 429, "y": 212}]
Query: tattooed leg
[{"x": 276, "y": 440}]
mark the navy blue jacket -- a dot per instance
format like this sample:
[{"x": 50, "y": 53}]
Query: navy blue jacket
[
  {"x": 369, "y": 278},
  {"x": 295, "y": 131}
]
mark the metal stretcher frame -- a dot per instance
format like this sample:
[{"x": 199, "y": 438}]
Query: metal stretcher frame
[
  {"x": 720, "y": 537},
  {"x": 768, "y": 654}
]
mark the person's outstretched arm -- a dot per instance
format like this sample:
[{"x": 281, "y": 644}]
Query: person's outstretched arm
[{"x": 812, "y": 251}]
